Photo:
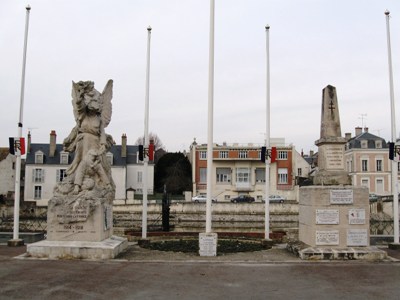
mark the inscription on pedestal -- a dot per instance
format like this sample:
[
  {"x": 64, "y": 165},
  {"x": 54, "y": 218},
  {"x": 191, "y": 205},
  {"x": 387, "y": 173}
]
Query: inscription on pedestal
[
  {"x": 341, "y": 196},
  {"x": 327, "y": 216},
  {"x": 334, "y": 157},
  {"x": 73, "y": 214},
  {"x": 326, "y": 237}
]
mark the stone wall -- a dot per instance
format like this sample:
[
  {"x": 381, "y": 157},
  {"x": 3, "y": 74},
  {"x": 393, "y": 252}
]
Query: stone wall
[{"x": 227, "y": 217}]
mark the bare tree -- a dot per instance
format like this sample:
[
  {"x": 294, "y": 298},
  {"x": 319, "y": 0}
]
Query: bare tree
[{"x": 152, "y": 136}]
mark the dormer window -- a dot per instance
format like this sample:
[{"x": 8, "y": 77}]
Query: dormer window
[
  {"x": 64, "y": 158},
  {"x": 364, "y": 144},
  {"x": 378, "y": 144},
  {"x": 39, "y": 157},
  {"x": 110, "y": 158}
]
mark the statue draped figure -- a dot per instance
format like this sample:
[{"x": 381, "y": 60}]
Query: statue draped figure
[{"x": 89, "y": 175}]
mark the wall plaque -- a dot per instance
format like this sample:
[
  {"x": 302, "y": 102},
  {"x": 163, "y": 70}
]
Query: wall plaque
[
  {"x": 341, "y": 196},
  {"x": 356, "y": 216},
  {"x": 327, "y": 237},
  {"x": 327, "y": 216},
  {"x": 357, "y": 237}
]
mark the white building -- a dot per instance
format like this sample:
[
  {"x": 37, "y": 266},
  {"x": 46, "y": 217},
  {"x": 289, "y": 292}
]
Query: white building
[
  {"x": 7, "y": 172},
  {"x": 46, "y": 164}
]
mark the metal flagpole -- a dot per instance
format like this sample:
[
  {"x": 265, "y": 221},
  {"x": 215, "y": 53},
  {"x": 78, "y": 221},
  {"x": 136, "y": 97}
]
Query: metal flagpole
[
  {"x": 393, "y": 126},
  {"x": 210, "y": 118},
  {"x": 267, "y": 138},
  {"x": 16, "y": 241},
  {"x": 146, "y": 139}
]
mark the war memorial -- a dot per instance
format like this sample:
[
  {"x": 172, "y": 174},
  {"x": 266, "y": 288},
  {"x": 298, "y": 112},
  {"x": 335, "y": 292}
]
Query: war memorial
[
  {"x": 80, "y": 214},
  {"x": 333, "y": 214}
]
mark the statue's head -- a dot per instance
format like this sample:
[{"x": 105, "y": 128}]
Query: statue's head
[{"x": 89, "y": 95}]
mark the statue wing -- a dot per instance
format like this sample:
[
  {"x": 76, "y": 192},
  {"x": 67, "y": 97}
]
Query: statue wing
[
  {"x": 76, "y": 102},
  {"x": 106, "y": 110}
]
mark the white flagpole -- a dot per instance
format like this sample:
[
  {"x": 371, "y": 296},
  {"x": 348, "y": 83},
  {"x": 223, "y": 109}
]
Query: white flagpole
[
  {"x": 146, "y": 138},
  {"x": 393, "y": 125},
  {"x": 16, "y": 241},
  {"x": 210, "y": 119},
  {"x": 267, "y": 138}
]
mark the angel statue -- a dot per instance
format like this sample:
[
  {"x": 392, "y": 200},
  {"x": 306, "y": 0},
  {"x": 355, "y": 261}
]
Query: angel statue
[{"x": 92, "y": 112}]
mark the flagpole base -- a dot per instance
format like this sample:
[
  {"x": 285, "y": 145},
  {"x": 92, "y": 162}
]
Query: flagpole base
[{"x": 15, "y": 243}]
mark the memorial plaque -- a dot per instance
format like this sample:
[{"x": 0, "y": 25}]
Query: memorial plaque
[
  {"x": 327, "y": 216},
  {"x": 334, "y": 157},
  {"x": 357, "y": 237},
  {"x": 326, "y": 237},
  {"x": 208, "y": 244},
  {"x": 341, "y": 196},
  {"x": 356, "y": 216}
]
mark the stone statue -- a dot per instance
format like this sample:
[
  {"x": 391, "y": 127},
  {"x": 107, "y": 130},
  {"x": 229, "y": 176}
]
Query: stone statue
[{"x": 89, "y": 175}]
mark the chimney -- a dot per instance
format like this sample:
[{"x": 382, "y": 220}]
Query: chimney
[
  {"x": 365, "y": 129},
  {"x": 347, "y": 135},
  {"x": 29, "y": 143},
  {"x": 123, "y": 145},
  {"x": 311, "y": 153},
  {"x": 52, "y": 150},
  {"x": 358, "y": 131}
]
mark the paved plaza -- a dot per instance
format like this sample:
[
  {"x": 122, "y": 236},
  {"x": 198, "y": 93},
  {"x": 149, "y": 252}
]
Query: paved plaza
[{"x": 149, "y": 274}]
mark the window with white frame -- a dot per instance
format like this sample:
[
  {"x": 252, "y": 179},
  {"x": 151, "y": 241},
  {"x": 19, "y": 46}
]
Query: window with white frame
[
  {"x": 243, "y": 153},
  {"x": 364, "y": 165},
  {"x": 242, "y": 175},
  {"x": 110, "y": 158},
  {"x": 260, "y": 175},
  {"x": 223, "y": 154},
  {"x": 203, "y": 175},
  {"x": 37, "y": 192},
  {"x": 139, "y": 176},
  {"x": 378, "y": 144},
  {"x": 37, "y": 175},
  {"x": 223, "y": 175},
  {"x": 61, "y": 174},
  {"x": 203, "y": 154},
  {"x": 364, "y": 144},
  {"x": 64, "y": 158},
  {"x": 39, "y": 157},
  {"x": 283, "y": 155},
  {"x": 283, "y": 176},
  {"x": 299, "y": 172},
  {"x": 365, "y": 182},
  {"x": 379, "y": 167}
]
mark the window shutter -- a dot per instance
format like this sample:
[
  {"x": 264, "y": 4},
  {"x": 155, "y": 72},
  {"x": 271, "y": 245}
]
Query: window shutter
[{"x": 58, "y": 175}]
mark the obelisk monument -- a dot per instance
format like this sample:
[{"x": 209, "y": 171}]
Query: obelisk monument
[{"x": 331, "y": 144}]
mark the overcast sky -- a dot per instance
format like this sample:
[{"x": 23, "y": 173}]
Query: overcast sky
[{"x": 313, "y": 43}]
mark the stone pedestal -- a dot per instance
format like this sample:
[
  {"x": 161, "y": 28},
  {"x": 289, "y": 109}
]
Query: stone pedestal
[
  {"x": 334, "y": 216},
  {"x": 80, "y": 229},
  {"x": 89, "y": 220}
]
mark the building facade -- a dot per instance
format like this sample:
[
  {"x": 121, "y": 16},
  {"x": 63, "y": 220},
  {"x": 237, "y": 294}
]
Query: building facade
[
  {"x": 238, "y": 169},
  {"x": 7, "y": 173},
  {"x": 46, "y": 165},
  {"x": 367, "y": 161}
]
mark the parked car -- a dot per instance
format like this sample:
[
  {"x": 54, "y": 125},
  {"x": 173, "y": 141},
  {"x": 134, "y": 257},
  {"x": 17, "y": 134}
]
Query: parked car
[
  {"x": 242, "y": 198},
  {"x": 202, "y": 198},
  {"x": 276, "y": 199},
  {"x": 373, "y": 197}
]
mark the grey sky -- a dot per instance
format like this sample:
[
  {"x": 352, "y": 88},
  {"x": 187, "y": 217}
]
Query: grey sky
[{"x": 313, "y": 43}]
